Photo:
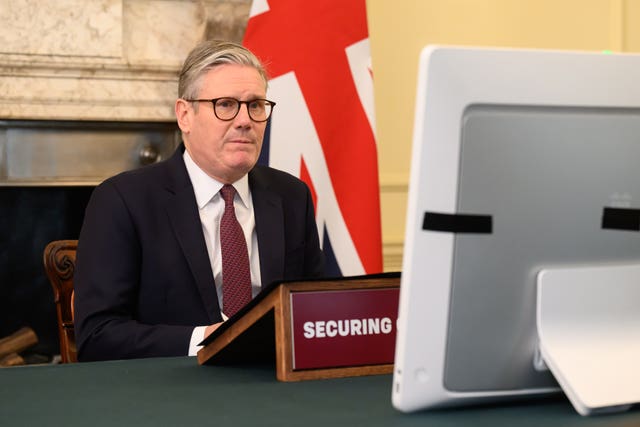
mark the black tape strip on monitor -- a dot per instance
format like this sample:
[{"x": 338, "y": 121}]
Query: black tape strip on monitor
[
  {"x": 457, "y": 223},
  {"x": 621, "y": 219}
]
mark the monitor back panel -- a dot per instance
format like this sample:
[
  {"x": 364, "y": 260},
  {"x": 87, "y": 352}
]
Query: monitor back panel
[{"x": 544, "y": 175}]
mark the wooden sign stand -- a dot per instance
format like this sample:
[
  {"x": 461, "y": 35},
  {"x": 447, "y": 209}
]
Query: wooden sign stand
[{"x": 269, "y": 322}]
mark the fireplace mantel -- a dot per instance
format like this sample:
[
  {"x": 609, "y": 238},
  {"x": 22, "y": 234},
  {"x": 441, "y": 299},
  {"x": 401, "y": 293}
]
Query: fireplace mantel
[{"x": 111, "y": 60}]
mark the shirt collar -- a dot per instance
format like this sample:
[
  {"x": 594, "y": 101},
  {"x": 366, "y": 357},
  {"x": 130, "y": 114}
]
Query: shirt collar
[{"x": 205, "y": 187}]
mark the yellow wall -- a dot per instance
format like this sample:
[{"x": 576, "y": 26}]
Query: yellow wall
[{"x": 398, "y": 30}]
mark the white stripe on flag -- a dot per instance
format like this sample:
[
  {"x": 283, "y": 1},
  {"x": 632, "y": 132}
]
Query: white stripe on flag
[
  {"x": 258, "y": 7},
  {"x": 358, "y": 55}
]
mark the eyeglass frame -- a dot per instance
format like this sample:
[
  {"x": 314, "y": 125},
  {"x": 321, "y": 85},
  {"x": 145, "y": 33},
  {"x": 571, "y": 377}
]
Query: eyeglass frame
[{"x": 215, "y": 112}]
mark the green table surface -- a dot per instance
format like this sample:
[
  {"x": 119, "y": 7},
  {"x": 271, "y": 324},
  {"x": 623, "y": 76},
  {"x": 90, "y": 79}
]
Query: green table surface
[{"x": 179, "y": 392}]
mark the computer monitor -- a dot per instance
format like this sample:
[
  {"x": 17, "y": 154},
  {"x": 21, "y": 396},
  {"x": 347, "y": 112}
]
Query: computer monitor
[{"x": 522, "y": 160}]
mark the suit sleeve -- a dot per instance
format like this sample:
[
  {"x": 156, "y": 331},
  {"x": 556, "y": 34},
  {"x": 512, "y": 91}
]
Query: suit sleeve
[{"x": 107, "y": 282}]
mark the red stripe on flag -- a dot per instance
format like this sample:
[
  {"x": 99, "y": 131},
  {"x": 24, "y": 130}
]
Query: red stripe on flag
[{"x": 310, "y": 37}]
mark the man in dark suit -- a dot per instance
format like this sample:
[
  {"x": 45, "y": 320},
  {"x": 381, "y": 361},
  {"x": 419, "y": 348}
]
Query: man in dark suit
[{"x": 150, "y": 277}]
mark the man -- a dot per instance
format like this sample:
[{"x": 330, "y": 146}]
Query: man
[{"x": 150, "y": 277}]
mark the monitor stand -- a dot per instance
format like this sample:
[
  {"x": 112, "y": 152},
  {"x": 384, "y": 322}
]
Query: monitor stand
[{"x": 588, "y": 321}]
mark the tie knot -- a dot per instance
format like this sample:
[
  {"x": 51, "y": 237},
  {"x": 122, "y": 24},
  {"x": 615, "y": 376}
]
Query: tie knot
[{"x": 228, "y": 192}]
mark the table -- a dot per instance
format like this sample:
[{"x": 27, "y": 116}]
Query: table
[{"x": 179, "y": 392}]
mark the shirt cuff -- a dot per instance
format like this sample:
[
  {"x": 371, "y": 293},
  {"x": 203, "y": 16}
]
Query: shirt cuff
[{"x": 196, "y": 338}]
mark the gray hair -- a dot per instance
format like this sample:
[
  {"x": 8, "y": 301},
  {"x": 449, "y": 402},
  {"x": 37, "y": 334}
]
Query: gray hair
[{"x": 209, "y": 54}]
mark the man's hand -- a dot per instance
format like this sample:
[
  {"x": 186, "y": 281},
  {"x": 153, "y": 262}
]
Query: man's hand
[{"x": 211, "y": 328}]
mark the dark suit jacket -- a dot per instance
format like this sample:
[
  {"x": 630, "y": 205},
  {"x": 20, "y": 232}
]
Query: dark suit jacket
[{"x": 143, "y": 279}]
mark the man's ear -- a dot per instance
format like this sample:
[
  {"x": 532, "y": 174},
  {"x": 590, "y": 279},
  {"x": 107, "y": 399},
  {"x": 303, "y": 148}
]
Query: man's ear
[{"x": 184, "y": 115}]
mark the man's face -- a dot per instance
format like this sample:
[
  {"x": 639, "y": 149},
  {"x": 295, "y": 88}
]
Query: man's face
[{"x": 225, "y": 150}]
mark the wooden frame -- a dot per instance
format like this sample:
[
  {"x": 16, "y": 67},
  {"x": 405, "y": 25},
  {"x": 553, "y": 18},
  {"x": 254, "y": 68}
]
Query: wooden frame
[
  {"x": 59, "y": 263},
  {"x": 278, "y": 302}
]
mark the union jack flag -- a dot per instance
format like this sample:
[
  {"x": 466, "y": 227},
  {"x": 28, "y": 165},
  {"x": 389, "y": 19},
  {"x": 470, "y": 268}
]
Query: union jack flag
[{"x": 317, "y": 55}]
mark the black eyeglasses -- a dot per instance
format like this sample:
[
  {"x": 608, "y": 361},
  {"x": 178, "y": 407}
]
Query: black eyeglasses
[{"x": 227, "y": 109}]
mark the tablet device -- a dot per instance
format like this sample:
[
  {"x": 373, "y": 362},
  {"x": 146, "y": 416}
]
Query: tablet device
[{"x": 522, "y": 160}]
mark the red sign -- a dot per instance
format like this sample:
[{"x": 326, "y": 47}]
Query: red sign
[{"x": 353, "y": 327}]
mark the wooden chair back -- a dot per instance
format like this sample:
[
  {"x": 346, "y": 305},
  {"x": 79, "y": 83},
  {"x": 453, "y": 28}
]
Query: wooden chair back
[{"x": 59, "y": 264}]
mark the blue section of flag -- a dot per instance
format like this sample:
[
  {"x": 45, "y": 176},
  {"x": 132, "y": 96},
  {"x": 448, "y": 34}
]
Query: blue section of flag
[{"x": 331, "y": 267}]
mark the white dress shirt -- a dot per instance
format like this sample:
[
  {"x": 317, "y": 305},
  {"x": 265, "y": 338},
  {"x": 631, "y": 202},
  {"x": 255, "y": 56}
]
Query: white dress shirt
[{"x": 211, "y": 208}]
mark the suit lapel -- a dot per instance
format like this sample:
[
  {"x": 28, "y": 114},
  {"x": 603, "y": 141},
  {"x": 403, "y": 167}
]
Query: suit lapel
[
  {"x": 269, "y": 228},
  {"x": 184, "y": 218}
]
